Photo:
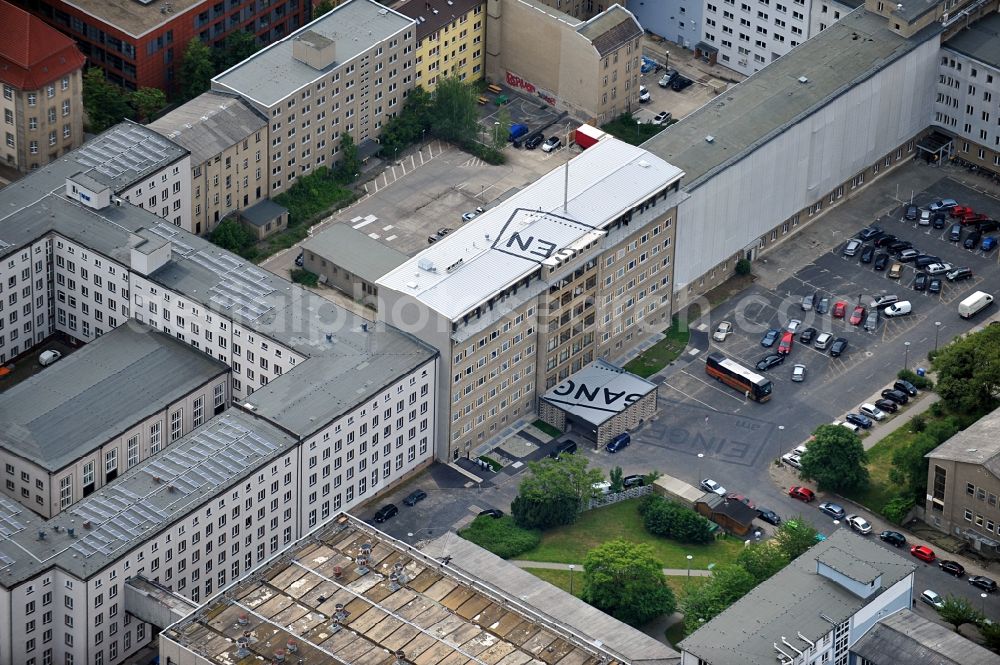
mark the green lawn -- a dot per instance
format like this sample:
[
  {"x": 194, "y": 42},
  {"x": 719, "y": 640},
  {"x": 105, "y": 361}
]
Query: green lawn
[
  {"x": 661, "y": 354},
  {"x": 570, "y": 544},
  {"x": 547, "y": 428},
  {"x": 625, "y": 128},
  {"x": 880, "y": 489},
  {"x": 559, "y": 578}
]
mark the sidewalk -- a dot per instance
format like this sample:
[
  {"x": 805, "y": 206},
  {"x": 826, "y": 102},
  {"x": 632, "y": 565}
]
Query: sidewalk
[{"x": 669, "y": 572}]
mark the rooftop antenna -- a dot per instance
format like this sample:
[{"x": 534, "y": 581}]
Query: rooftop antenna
[{"x": 566, "y": 189}]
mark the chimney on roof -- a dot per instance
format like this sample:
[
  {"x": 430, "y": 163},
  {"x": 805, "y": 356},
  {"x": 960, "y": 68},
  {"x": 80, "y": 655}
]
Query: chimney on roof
[{"x": 315, "y": 50}]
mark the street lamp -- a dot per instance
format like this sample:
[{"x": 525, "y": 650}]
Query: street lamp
[
  {"x": 571, "y": 569},
  {"x": 701, "y": 456},
  {"x": 937, "y": 329},
  {"x": 906, "y": 356},
  {"x": 689, "y": 557},
  {"x": 983, "y": 596}
]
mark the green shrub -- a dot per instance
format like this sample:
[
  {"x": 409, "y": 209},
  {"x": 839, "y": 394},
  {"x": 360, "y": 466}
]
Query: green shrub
[
  {"x": 312, "y": 196},
  {"x": 304, "y": 277},
  {"x": 487, "y": 153},
  {"x": 501, "y": 536},
  {"x": 937, "y": 409},
  {"x": 918, "y": 423},
  {"x": 920, "y": 382},
  {"x": 672, "y": 520},
  {"x": 895, "y": 511},
  {"x": 743, "y": 267}
]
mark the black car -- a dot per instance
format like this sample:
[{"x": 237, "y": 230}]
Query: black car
[
  {"x": 988, "y": 226},
  {"x": 972, "y": 240},
  {"x": 869, "y": 232},
  {"x": 567, "y": 447},
  {"x": 300, "y": 260},
  {"x": 767, "y": 362},
  {"x": 807, "y": 335},
  {"x": 634, "y": 480},
  {"x": 925, "y": 260},
  {"x": 887, "y": 405},
  {"x": 906, "y": 387},
  {"x": 886, "y": 240},
  {"x": 415, "y": 497},
  {"x": 385, "y": 512},
  {"x": 958, "y": 274},
  {"x": 838, "y": 347},
  {"x": 912, "y": 213},
  {"x": 952, "y": 567},
  {"x": 680, "y": 82},
  {"x": 894, "y": 538},
  {"x": 491, "y": 512},
  {"x": 823, "y": 306},
  {"x": 983, "y": 582},
  {"x": 868, "y": 255},
  {"x": 939, "y": 220},
  {"x": 897, "y": 396},
  {"x": 920, "y": 281},
  {"x": 857, "y": 419},
  {"x": 907, "y": 255},
  {"x": 899, "y": 246},
  {"x": 934, "y": 286},
  {"x": 768, "y": 516},
  {"x": 881, "y": 261},
  {"x": 534, "y": 141}
]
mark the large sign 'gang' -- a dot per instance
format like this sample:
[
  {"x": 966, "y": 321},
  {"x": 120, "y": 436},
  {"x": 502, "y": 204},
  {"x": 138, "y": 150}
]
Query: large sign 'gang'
[{"x": 598, "y": 398}]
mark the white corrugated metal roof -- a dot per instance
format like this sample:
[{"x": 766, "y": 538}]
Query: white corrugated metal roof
[{"x": 509, "y": 241}]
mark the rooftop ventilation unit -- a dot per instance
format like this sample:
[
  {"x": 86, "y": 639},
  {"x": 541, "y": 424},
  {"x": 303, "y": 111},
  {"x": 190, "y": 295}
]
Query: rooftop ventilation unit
[
  {"x": 455, "y": 266},
  {"x": 709, "y": 139},
  {"x": 241, "y": 647},
  {"x": 803, "y": 79},
  {"x": 426, "y": 264}
]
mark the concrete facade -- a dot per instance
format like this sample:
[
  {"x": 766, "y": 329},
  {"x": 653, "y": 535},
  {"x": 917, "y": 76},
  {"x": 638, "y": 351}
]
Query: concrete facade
[{"x": 589, "y": 68}]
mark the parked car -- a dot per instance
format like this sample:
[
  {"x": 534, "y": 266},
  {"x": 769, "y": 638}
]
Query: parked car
[
  {"x": 722, "y": 331},
  {"x": 897, "y": 396},
  {"x": 983, "y": 582},
  {"x": 793, "y": 325},
  {"x": 48, "y": 357},
  {"x": 958, "y": 211},
  {"x": 869, "y": 232},
  {"x": 895, "y": 271},
  {"x": 852, "y": 247},
  {"x": 894, "y": 538},
  {"x": 972, "y": 240},
  {"x": 415, "y": 497},
  {"x": 934, "y": 286},
  {"x": 807, "y": 335},
  {"x": 920, "y": 281},
  {"x": 633, "y": 480},
  {"x": 932, "y": 599},
  {"x": 989, "y": 244},
  {"x": 973, "y": 219},
  {"x": 551, "y": 143},
  {"x": 871, "y": 321},
  {"x": 472, "y": 214},
  {"x": 769, "y": 338},
  {"x": 798, "y": 373},
  {"x": 667, "y": 78},
  {"x": 620, "y": 442},
  {"x": 885, "y": 241},
  {"x": 923, "y": 553},
  {"x": 823, "y": 341},
  {"x": 838, "y": 347},
  {"x": 911, "y": 213},
  {"x": 793, "y": 460},
  {"x": 710, "y": 485},
  {"x": 955, "y": 232},
  {"x": 857, "y": 316},
  {"x": 925, "y": 260},
  {"x": 939, "y": 220},
  {"x": 988, "y": 226},
  {"x": 942, "y": 204},
  {"x": 662, "y": 118},
  {"x": 887, "y": 405},
  {"x": 839, "y": 308},
  {"x": 908, "y": 255},
  {"x": 901, "y": 308},
  {"x": 644, "y": 95},
  {"x": 495, "y": 513},
  {"x": 864, "y": 422},
  {"x": 801, "y": 493},
  {"x": 859, "y": 524},
  {"x": 534, "y": 141},
  {"x": 872, "y": 411},
  {"x": 734, "y": 496},
  {"x": 959, "y": 274},
  {"x": 567, "y": 447},
  {"x": 867, "y": 255},
  {"x": 808, "y": 301},
  {"x": 938, "y": 268},
  {"x": 884, "y": 300},
  {"x": 785, "y": 345},
  {"x": 899, "y": 246},
  {"x": 768, "y": 516},
  {"x": 834, "y": 510},
  {"x": 925, "y": 218},
  {"x": 881, "y": 261},
  {"x": 300, "y": 260},
  {"x": 769, "y": 361},
  {"x": 823, "y": 306},
  {"x": 952, "y": 567},
  {"x": 385, "y": 512},
  {"x": 906, "y": 387}
]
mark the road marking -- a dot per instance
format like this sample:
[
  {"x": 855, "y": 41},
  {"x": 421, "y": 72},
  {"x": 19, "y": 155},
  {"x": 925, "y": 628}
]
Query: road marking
[
  {"x": 387, "y": 228},
  {"x": 713, "y": 387},
  {"x": 374, "y": 236},
  {"x": 367, "y": 220},
  {"x": 393, "y": 237},
  {"x": 689, "y": 396}
]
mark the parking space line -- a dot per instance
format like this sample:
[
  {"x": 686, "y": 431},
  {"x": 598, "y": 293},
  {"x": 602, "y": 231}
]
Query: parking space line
[
  {"x": 713, "y": 387},
  {"x": 690, "y": 396}
]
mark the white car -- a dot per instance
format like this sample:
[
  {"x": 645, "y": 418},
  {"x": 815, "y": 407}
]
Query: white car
[
  {"x": 603, "y": 487},
  {"x": 932, "y": 599},
  {"x": 793, "y": 325},
  {"x": 551, "y": 144},
  {"x": 938, "y": 268},
  {"x": 859, "y": 524},
  {"x": 722, "y": 331},
  {"x": 662, "y": 118},
  {"x": 49, "y": 357},
  {"x": 643, "y": 94},
  {"x": 792, "y": 460},
  {"x": 872, "y": 411},
  {"x": 798, "y": 373},
  {"x": 710, "y": 485},
  {"x": 901, "y": 308},
  {"x": 925, "y": 218}
]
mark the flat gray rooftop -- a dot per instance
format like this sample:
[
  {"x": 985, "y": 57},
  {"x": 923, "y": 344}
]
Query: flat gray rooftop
[
  {"x": 125, "y": 154},
  {"x": 598, "y": 392},
  {"x": 977, "y": 444},
  {"x": 980, "y": 41},
  {"x": 96, "y": 394},
  {"x": 210, "y": 123},
  {"x": 795, "y": 601},
  {"x": 272, "y": 73},
  {"x": 142, "y": 503},
  {"x": 905, "y": 637},
  {"x": 761, "y": 107},
  {"x": 262, "y": 212},
  {"x": 355, "y": 252}
]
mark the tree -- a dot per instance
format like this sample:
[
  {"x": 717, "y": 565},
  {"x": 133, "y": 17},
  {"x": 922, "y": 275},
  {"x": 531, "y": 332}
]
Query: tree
[
  {"x": 672, "y": 520},
  {"x": 555, "y": 492},
  {"x": 957, "y": 610},
  {"x": 761, "y": 560},
  {"x": 626, "y": 581},
  {"x": 455, "y": 117},
  {"x": 835, "y": 459},
  {"x": 197, "y": 69},
  {"x": 410, "y": 125},
  {"x": 795, "y": 536},
  {"x": 501, "y": 129},
  {"x": 968, "y": 371},
  {"x": 991, "y": 634},
  {"x": 501, "y": 536},
  {"x": 349, "y": 165},
  {"x": 909, "y": 466},
  {"x": 324, "y": 7},
  {"x": 238, "y": 47},
  {"x": 147, "y": 101},
  {"x": 616, "y": 476},
  {"x": 743, "y": 267},
  {"x": 105, "y": 103},
  {"x": 702, "y": 603},
  {"x": 235, "y": 237}
]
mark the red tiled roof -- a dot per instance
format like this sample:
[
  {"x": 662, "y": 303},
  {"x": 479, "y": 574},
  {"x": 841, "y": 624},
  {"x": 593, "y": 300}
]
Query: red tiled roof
[{"x": 33, "y": 53}]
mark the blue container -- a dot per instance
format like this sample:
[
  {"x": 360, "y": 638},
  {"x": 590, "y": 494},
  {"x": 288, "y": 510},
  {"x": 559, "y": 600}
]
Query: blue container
[{"x": 921, "y": 371}]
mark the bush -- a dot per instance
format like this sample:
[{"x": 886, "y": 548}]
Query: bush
[
  {"x": 672, "y": 520},
  {"x": 501, "y": 536},
  {"x": 918, "y": 423},
  {"x": 313, "y": 195},
  {"x": 938, "y": 409},
  {"x": 304, "y": 277},
  {"x": 532, "y": 513},
  {"x": 743, "y": 267},
  {"x": 487, "y": 153},
  {"x": 920, "y": 382},
  {"x": 235, "y": 237},
  {"x": 895, "y": 511}
]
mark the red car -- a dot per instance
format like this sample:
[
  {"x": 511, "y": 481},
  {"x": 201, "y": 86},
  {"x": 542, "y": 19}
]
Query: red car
[
  {"x": 858, "y": 315},
  {"x": 839, "y": 309},
  {"x": 785, "y": 345},
  {"x": 923, "y": 553},
  {"x": 733, "y": 496},
  {"x": 803, "y": 494},
  {"x": 974, "y": 218},
  {"x": 961, "y": 211}
]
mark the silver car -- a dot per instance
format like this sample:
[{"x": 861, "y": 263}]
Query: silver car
[
  {"x": 852, "y": 247},
  {"x": 722, "y": 331},
  {"x": 798, "y": 373}
]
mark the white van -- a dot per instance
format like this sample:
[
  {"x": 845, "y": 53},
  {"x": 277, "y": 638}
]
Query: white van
[
  {"x": 49, "y": 357},
  {"x": 901, "y": 308},
  {"x": 974, "y": 304}
]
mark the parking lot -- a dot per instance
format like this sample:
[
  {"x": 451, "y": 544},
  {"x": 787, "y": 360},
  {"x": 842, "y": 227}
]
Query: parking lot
[{"x": 528, "y": 110}]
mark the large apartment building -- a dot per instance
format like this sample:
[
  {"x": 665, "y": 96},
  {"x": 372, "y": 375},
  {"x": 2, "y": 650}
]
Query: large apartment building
[
  {"x": 574, "y": 267},
  {"x": 347, "y": 72},
  {"x": 42, "y": 104},
  {"x": 451, "y": 39},
  {"x": 142, "y": 44},
  {"x": 228, "y": 142}
]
